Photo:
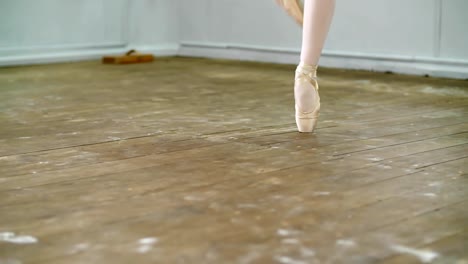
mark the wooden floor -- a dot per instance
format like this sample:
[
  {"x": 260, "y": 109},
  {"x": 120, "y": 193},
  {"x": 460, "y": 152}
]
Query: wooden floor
[{"x": 198, "y": 161}]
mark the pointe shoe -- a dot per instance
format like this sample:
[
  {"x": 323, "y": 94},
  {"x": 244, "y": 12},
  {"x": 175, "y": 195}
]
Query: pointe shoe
[
  {"x": 295, "y": 8},
  {"x": 307, "y": 99}
]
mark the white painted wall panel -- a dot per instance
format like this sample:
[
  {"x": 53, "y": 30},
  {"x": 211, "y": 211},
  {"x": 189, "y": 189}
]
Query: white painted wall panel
[
  {"x": 416, "y": 37},
  {"x": 194, "y": 29},
  {"x": 45, "y": 23},
  {"x": 396, "y": 27},
  {"x": 258, "y": 22},
  {"x": 154, "y": 22},
  {"x": 371, "y": 26},
  {"x": 454, "y": 29},
  {"x": 44, "y": 31},
  {"x": 261, "y": 23}
]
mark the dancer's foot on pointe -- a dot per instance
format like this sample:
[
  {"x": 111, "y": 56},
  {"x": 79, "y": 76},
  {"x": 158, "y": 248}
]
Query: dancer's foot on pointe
[{"x": 306, "y": 97}]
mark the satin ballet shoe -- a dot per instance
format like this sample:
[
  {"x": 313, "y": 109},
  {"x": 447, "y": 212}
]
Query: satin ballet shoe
[
  {"x": 307, "y": 99},
  {"x": 295, "y": 8}
]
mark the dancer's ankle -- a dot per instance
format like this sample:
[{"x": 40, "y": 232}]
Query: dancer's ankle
[{"x": 307, "y": 68}]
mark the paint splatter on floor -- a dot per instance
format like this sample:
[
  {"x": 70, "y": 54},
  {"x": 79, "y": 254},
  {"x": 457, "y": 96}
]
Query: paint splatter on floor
[
  {"x": 146, "y": 244},
  {"x": 11, "y": 237},
  {"x": 345, "y": 243},
  {"x": 424, "y": 256},
  {"x": 289, "y": 260},
  {"x": 286, "y": 232},
  {"x": 321, "y": 193}
]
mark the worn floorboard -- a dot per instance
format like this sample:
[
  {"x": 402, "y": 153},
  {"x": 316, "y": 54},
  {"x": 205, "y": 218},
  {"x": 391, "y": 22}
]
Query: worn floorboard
[{"x": 198, "y": 161}]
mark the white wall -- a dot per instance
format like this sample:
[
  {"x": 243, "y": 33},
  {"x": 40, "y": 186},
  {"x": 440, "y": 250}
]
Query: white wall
[
  {"x": 415, "y": 37},
  {"x": 154, "y": 26},
  {"x": 33, "y": 31},
  {"x": 42, "y": 31},
  {"x": 454, "y": 29}
]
